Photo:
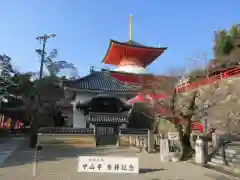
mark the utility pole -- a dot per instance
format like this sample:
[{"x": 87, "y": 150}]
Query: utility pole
[
  {"x": 44, "y": 39},
  {"x": 35, "y": 122}
]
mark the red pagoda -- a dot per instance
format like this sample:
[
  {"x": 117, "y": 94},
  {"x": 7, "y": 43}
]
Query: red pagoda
[{"x": 131, "y": 59}]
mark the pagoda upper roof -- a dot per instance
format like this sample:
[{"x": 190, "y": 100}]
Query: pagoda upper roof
[
  {"x": 99, "y": 81},
  {"x": 118, "y": 50}
]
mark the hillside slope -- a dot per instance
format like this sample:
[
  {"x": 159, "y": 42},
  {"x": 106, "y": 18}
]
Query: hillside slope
[{"x": 224, "y": 99}]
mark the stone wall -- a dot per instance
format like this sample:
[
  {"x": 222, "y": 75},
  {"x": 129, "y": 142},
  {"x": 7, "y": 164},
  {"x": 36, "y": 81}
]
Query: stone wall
[
  {"x": 67, "y": 137},
  {"x": 82, "y": 140}
]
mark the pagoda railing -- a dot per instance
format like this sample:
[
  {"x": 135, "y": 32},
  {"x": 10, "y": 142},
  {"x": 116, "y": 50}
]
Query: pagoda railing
[{"x": 210, "y": 80}]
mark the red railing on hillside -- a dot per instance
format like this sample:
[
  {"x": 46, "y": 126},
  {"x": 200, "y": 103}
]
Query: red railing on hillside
[{"x": 210, "y": 80}]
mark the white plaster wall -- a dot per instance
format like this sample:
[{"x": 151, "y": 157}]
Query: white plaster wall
[
  {"x": 70, "y": 119},
  {"x": 79, "y": 121}
]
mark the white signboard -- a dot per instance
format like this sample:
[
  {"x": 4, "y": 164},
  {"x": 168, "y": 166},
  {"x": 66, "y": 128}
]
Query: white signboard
[
  {"x": 108, "y": 164},
  {"x": 174, "y": 136}
]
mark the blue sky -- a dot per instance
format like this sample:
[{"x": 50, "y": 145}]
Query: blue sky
[{"x": 84, "y": 28}]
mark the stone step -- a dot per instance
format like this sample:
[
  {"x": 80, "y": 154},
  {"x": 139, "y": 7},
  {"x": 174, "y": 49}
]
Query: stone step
[
  {"x": 7, "y": 148},
  {"x": 221, "y": 162},
  {"x": 237, "y": 156},
  {"x": 231, "y": 161},
  {"x": 4, "y": 155},
  {"x": 232, "y": 150},
  {"x": 221, "y": 158},
  {"x": 229, "y": 152},
  {"x": 230, "y": 169},
  {"x": 234, "y": 143},
  {"x": 236, "y": 161}
]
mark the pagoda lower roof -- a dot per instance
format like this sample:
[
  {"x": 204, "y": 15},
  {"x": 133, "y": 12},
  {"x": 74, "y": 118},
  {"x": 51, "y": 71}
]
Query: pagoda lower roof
[
  {"x": 166, "y": 83},
  {"x": 118, "y": 50},
  {"x": 99, "y": 82}
]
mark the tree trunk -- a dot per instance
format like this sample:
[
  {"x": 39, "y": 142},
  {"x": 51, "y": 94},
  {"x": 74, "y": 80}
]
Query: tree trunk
[
  {"x": 186, "y": 141},
  {"x": 180, "y": 133}
]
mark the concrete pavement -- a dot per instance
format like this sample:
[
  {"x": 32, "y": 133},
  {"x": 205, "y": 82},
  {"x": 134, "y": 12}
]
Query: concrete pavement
[
  {"x": 61, "y": 163},
  {"x": 7, "y": 147}
]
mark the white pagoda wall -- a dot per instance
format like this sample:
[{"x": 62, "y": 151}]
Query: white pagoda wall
[{"x": 132, "y": 69}]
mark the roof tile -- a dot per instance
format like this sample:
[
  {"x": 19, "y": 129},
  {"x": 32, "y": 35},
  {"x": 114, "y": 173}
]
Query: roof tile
[
  {"x": 100, "y": 81},
  {"x": 107, "y": 118}
]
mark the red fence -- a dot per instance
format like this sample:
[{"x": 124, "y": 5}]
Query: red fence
[{"x": 210, "y": 80}]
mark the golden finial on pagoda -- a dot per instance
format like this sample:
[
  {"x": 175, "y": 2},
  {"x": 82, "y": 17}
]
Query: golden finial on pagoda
[{"x": 130, "y": 28}]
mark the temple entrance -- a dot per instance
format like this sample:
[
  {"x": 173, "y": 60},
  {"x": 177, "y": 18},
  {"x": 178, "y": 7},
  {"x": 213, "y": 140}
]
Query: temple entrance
[
  {"x": 106, "y": 135},
  {"x": 107, "y": 113}
]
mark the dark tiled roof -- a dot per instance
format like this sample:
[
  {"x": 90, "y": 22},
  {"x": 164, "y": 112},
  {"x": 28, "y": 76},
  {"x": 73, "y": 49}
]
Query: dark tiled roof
[
  {"x": 134, "y": 43},
  {"x": 107, "y": 118},
  {"x": 65, "y": 130},
  {"x": 100, "y": 81}
]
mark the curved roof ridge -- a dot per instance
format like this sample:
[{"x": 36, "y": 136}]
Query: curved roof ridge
[
  {"x": 135, "y": 44},
  {"x": 118, "y": 81},
  {"x": 100, "y": 81}
]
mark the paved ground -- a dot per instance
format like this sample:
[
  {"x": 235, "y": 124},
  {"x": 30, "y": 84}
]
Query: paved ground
[
  {"x": 7, "y": 147},
  {"x": 61, "y": 164}
]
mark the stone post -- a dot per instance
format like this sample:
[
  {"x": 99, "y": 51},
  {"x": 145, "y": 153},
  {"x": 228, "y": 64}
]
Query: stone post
[
  {"x": 164, "y": 150},
  {"x": 201, "y": 151},
  {"x": 199, "y": 157},
  {"x": 145, "y": 143},
  {"x": 206, "y": 106},
  {"x": 137, "y": 141},
  {"x": 150, "y": 140},
  {"x": 215, "y": 140},
  {"x": 118, "y": 143}
]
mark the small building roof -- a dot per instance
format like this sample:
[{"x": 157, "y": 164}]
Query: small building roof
[
  {"x": 99, "y": 81},
  {"x": 145, "y": 54}
]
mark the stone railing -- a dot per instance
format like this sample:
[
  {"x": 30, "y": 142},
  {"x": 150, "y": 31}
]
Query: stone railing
[
  {"x": 137, "y": 138},
  {"x": 67, "y": 137},
  {"x": 133, "y": 131},
  {"x": 133, "y": 137}
]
